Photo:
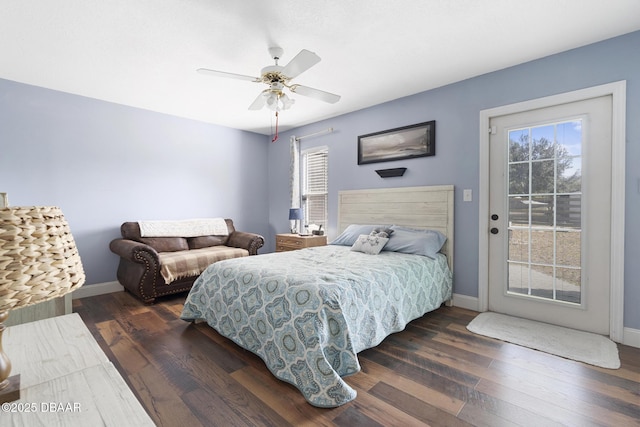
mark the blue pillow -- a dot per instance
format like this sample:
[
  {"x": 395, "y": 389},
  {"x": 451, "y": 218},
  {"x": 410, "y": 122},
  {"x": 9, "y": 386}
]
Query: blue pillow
[
  {"x": 351, "y": 233},
  {"x": 412, "y": 241}
]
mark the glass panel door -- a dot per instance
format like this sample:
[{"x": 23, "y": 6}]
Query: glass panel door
[
  {"x": 544, "y": 180},
  {"x": 550, "y": 214}
]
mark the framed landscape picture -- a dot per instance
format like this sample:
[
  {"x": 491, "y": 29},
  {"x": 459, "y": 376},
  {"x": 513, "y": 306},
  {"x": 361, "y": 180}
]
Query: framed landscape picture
[{"x": 401, "y": 143}]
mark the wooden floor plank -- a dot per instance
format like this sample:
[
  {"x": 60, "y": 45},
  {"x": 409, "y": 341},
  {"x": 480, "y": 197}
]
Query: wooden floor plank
[
  {"x": 280, "y": 396},
  {"x": 379, "y": 374},
  {"x": 435, "y": 373},
  {"x": 415, "y": 407},
  {"x": 161, "y": 400},
  {"x": 382, "y": 412},
  {"x": 353, "y": 417},
  {"x": 556, "y": 414},
  {"x": 156, "y": 394}
]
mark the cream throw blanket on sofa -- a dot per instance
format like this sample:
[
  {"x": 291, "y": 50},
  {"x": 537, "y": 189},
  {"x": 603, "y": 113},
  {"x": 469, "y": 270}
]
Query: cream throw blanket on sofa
[{"x": 184, "y": 228}]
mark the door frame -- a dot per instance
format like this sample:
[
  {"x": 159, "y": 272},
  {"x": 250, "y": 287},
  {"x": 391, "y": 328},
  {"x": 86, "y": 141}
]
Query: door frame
[{"x": 618, "y": 92}]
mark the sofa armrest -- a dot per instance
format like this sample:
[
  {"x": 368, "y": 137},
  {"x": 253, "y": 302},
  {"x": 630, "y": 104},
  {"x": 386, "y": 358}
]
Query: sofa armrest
[
  {"x": 138, "y": 269},
  {"x": 134, "y": 251},
  {"x": 249, "y": 241}
]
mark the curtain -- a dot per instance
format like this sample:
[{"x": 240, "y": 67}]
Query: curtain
[{"x": 294, "y": 172}]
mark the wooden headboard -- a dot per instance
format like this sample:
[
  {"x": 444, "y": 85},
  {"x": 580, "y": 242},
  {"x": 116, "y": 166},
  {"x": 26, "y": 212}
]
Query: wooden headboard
[{"x": 418, "y": 207}]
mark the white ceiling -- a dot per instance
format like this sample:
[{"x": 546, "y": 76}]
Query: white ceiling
[{"x": 144, "y": 53}]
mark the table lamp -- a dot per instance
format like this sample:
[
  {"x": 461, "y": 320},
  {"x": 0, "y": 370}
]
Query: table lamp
[
  {"x": 295, "y": 214},
  {"x": 38, "y": 261}
]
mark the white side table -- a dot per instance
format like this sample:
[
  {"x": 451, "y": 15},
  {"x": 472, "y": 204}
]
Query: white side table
[{"x": 66, "y": 379}]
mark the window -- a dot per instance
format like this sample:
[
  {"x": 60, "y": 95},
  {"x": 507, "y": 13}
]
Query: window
[{"x": 315, "y": 185}]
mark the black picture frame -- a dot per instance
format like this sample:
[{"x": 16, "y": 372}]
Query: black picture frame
[{"x": 401, "y": 143}]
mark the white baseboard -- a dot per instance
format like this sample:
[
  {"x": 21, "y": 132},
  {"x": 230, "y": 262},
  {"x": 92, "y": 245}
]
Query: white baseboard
[
  {"x": 97, "y": 289},
  {"x": 464, "y": 301},
  {"x": 631, "y": 337}
]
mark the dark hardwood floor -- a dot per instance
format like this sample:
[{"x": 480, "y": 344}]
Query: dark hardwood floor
[{"x": 434, "y": 372}]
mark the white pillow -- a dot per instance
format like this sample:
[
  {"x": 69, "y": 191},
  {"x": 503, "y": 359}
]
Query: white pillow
[{"x": 369, "y": 244}]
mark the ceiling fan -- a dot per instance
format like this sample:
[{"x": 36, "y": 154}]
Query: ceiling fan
[{"x": 278, "y": 78}]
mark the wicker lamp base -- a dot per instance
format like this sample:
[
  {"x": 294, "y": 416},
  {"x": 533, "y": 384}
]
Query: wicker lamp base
[{"x": 9, "y": 386}]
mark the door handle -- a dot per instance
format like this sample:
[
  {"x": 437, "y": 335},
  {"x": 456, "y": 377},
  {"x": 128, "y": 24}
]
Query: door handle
[{"x": 494, "y": 230}]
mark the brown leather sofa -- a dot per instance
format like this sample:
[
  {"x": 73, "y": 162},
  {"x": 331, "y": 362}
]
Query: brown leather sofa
[{"x": 144, "y": 260}]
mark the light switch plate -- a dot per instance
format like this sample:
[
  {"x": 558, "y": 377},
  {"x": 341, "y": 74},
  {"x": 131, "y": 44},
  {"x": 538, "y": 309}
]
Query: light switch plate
[{"x": 467, "y": 195}]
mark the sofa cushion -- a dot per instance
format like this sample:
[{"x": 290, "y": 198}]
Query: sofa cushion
[
  {"x": 131, "y": 230},
  {"x": 189, "y": 263},
  {"x": 206, "y": 241},
  {"x": 166, "y": 244}
]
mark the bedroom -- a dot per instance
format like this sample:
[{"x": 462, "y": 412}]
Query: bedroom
[{"x": 106, "y": 163}]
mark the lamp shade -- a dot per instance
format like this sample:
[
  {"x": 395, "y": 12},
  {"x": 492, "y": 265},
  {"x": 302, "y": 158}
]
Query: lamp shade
[
  {"x": 38, "y": 256},
  {"x": 295, "y": 213}
]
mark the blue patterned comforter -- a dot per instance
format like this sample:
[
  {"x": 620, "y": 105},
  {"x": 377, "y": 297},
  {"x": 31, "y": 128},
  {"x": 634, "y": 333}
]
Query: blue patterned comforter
[{"x": 307, "y": 313}]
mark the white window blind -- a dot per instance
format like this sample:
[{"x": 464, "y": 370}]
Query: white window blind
[{"x": 315, "y": 186}]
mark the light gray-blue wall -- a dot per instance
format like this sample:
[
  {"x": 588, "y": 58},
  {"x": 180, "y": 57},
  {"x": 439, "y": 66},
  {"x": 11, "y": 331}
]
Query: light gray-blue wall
[
  {"x": 105, "y": 163},
  {"x": 456, "y": 109}
]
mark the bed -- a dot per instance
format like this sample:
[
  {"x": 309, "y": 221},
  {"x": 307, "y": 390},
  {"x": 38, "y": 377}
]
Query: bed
[{"x": 307, "y": 313}]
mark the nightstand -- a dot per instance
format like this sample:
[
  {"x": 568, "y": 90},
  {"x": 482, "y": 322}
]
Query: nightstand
[{"x": 291, "y": 242}]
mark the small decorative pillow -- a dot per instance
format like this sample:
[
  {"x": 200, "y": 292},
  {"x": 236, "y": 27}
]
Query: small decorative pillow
[
  {"x": 351, "y": 233},
  {"x": 370, "y": 244}
]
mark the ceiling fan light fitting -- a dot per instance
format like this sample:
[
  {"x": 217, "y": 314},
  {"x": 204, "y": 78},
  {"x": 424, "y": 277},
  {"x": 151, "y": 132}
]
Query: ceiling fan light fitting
[
  {"x": 278, "y": 101},
  {"x": 287, "y": 102}
]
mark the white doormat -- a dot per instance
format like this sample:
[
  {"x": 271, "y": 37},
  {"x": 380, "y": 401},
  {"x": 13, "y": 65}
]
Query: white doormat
[{"x": 564, "y": 342}]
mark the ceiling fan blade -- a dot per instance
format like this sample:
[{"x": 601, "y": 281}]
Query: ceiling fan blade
[
  {"x": 260, "y": 101},
  {"x": 315, "y": 93},
  {"x": 216, "y": 73},
  {"x": 300, "y": 63}
]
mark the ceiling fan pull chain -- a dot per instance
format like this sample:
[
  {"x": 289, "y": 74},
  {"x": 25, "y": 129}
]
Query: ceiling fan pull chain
[{"x": 275, "y": 138}]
